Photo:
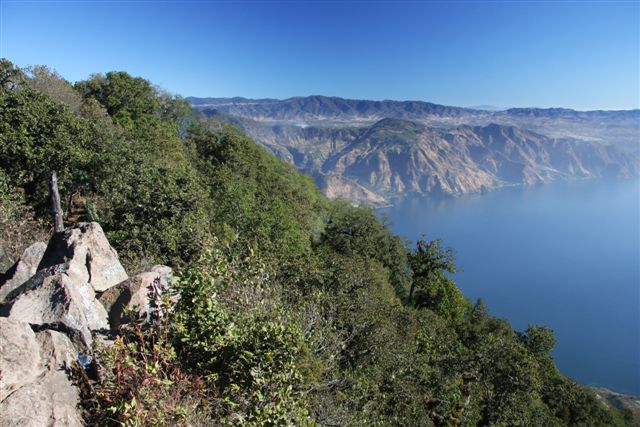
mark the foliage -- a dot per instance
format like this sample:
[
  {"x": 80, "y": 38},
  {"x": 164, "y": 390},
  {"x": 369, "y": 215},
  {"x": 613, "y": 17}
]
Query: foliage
[
  {"x": 142, "y": 384},
  {"x": 127, "y": 99},
  {"x": 18, "y": 227},
  {"x": 293, "y": 310},
  {"x": 38, "y": 135},
  {"x": 357, "y": 232},
  {"x": 234, "y": 332},
  {"x": 243, "y": 179},
  {"x": 47, "y": 81}
]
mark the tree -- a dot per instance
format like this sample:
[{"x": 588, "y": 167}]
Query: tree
[
  {"x": 429, "y": 262},
  {"x": 357, "y": 232},
  {"x": 53, "y": 84},
  {"x": 540, "y": 340},
  {"x": 10, "y": 75},
  {"x": 126, "y": 98}
]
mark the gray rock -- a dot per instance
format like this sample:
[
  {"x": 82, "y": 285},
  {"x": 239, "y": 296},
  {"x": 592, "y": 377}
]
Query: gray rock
[
  {"x": 59, "y": 301},
  {"x": 34, "y": 282},
  {"x": 22, "y": 270},
  {"x": 19, "y": 356},
  {"x": 86, "y": 251},
  {"x": 50, "y": 401},
  {"x": 34, "y": 387},
  {"x": 140, "y": 294},
  {"x": 57, "y": 352}
]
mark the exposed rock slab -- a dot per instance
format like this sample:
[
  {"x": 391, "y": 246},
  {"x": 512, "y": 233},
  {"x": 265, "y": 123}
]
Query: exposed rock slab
[
  {"x": 48, "y": 311},
  {"x": 22, "y": 270},
  {"x": 56, "y": 349},
  {"x": 623, "y": 402},
  {"x": 49, "y": 401},
  {"x": 19, "y": 356},
  {"x": 139, "y": 294},
  {"x": 34, "y": 387},
  {"x": 60, "y": 301},
  {"x": 88, "y": 254}
]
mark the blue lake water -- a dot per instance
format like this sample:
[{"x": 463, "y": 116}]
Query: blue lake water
[{"x": 565, "y": 255}]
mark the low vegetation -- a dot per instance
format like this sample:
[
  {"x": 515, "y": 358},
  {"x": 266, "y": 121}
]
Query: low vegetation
[{"x": 293, "y": 310}]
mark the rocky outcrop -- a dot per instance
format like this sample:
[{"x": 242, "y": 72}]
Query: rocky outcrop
[
  {"x": 19, "y": 356},
  {"x": 339, "y": 187},
  {"x": 373, "y": 151},
  {"x": 22, "y": 270},
  {"x": 49, "y": 313},
  {"x": 60, "y": 302},
  {"x": 88, "y": 255},
  {"x": 395, "y": 157},
  {"x": 138, "y": 297},
  {"x": 34, "y": 387}
]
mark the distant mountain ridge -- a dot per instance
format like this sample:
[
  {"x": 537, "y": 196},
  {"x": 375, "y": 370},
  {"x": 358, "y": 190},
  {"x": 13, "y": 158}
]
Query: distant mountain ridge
[
  {"x": 332, "y": 107},
  {"x": 399, "y": 157},
  {"x": 374, "y": 151}
]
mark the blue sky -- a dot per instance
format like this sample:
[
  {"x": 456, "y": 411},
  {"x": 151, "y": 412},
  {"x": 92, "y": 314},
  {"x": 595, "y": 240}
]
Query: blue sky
[{"x": 582, "y": 55}]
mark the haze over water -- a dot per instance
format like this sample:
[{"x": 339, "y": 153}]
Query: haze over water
[{"x": 565, "y": 255}]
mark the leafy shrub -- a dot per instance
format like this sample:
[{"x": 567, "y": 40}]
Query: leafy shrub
[
  {"x": 18, "y": 226},
  {"x": 142, "y": 385},
  {"x": 234, "y": 332},
  {"x": 307, "y": 310}
]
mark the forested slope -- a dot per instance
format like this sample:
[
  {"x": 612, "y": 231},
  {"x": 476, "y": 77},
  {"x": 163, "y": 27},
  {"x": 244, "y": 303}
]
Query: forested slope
[{"x": 293, "y": 310}]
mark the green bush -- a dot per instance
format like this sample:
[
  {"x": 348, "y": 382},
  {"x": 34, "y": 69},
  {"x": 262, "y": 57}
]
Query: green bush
[
  {"x": 292, "y": 310},
  {"x": 142, "y": 385},
  {"x": 233, "y": 331}
]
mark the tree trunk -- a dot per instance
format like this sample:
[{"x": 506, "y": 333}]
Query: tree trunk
[
  {"x": 413, "y": 286},
  {"x": 56, "y": 209}
]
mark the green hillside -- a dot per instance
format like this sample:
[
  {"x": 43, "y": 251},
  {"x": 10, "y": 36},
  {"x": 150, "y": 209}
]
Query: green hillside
[{"x": 293, "y": 310}]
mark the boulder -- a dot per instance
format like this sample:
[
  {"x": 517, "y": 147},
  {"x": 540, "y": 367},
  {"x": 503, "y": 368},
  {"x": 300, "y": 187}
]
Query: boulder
[
  {"x": 22, "y": 270},
  {"x": 60, "y": 303},
  {"x": 19, "y": 356},
  {"x": 57, "y": 352},
  {"x": 86, "y": 251},
  {"x": 48, "y": 311},
  {"x": 50, "y": 401},
  {"x": 49, "y": 398},
  {"x": 34, "y": 387},
  {"x": 140, "y": 294}
]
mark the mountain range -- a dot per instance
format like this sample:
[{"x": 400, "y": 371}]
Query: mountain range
[{"x": 375, "y": 151}]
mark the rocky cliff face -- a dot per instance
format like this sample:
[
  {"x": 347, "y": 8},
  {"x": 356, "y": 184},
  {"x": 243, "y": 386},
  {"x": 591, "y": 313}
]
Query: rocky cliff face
[
  {"x": 619, "y": 128},
  {"x": 397, "y": 157},
  {"x": 56, "y": 302},
  {"x": 371, "y": 152}
]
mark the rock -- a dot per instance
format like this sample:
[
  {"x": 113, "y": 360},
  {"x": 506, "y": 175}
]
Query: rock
[
  {"x": 48, "y": 312},
  {"x": 622, "y": 402},
  {"x": 140, "y": 293},
  {"x": 34, "y": 282},
  {"x": 51, "y": 401},
  {"x": 34, "y": 387},
  {"x": 88, "y": 254},
  {"x": 56, "y": 350},
  {"x": 61, "y": 303},
  {"x": 22, "y": 270},
  {"x": 339, "y": 187},
  {"x": 19, "y": 356}
]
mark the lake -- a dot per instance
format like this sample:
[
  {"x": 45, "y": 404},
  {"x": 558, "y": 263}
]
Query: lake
[{"x": 565, "y": 255}]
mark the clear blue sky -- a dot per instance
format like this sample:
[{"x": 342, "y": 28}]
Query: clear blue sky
[{"x": 582, "y": 55}]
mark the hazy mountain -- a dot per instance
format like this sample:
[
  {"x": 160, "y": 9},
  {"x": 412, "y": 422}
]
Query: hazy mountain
[
  {"x": 376, "y": 150},
  {"x": 620, "y": 128},
  {"x": 487, "y": 107},
  {"x": 396, "y": 157},
  {"x": 324, "y": 108}
]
